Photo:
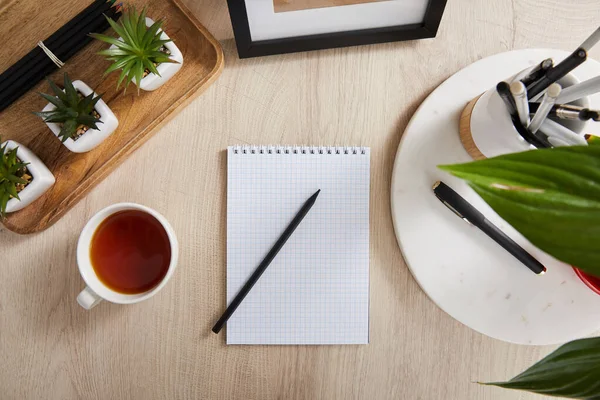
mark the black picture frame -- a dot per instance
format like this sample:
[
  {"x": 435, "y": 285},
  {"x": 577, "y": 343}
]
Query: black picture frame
[{"x": 247, "y": 48}]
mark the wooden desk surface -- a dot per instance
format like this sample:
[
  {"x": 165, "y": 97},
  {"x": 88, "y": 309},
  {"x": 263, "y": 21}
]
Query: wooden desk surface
[{"x": 163, "y": 349}]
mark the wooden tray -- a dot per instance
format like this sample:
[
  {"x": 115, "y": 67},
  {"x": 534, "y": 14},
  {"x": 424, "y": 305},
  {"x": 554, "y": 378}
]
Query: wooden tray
[{"x": 22, "y": 24}]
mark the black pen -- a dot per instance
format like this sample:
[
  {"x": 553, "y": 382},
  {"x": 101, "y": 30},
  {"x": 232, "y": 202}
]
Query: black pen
[
  {"x": 567, "y": 65},
  {"x": 503, "y": 90},
  {"x": 537, "y": 72},
  {"x": 568, "y": 111},
  {"x": 553, "y": 74},
  {"x": 468, "y": 213},
  {"x": 265, "y": 263}
]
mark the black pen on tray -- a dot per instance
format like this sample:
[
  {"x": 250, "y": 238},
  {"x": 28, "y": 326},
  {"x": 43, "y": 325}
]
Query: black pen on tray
[{"x": 468, "y": 213}]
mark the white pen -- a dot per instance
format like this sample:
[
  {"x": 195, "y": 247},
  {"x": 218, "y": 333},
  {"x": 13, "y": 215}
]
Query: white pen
[
  {"x": 557, "y": 131},
  {"x": 556, "y": 142},
  {"x": 519, "y": 92},
  {"x": 579, "y": 90},
  {"x": 548, "y": 101},
  {"x": 591, "y": 41}
]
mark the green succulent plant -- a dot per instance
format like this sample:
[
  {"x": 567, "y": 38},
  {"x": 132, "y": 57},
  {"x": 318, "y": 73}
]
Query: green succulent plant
[
  {"x": 138, "y": 50},
  {"x": 72, "y": 110},
  {"x": 12, "y": 175}
]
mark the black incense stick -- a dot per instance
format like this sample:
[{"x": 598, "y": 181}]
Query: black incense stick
[
  {"x": 21, "y": 85},
  {"x": 52, "y": 42}
]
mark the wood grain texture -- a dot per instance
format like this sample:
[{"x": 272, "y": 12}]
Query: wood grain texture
[
  {"x": 295, "y": 5},
  {"x": 139, "y": 116},
  {"x": 50, "y": 348},
  {"x": 464, "y": 130}
]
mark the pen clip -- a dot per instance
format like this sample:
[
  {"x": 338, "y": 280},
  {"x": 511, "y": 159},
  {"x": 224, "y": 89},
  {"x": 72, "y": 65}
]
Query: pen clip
[{"x": 454, "y": 210}]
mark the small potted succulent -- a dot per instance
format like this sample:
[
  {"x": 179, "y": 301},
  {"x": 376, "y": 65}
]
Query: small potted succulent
[
  {"x": 23, "y": 177},
  {"x": 143, "y": 52},
  {"x": 78, "y": 116}
]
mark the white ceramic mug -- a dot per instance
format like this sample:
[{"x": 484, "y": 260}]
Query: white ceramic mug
[{"x": 96, "y": 291}]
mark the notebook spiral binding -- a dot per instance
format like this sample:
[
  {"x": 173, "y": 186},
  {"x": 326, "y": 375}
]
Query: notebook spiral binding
[{"x": 299, "y": 150}]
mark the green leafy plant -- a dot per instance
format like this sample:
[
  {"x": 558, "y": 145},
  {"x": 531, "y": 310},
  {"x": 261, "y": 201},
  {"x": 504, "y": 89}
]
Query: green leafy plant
[
  {"x": 573, "y": 371},
  {"x": 551, "y": 196},
  {"x": 139, "y": 50},
  {"x": 13, "y": 176},
  {"x": 74, "y": 111}
]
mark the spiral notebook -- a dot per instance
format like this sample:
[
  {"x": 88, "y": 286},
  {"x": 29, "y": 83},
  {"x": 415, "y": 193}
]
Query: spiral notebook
[{"x": 316, "y": 291}]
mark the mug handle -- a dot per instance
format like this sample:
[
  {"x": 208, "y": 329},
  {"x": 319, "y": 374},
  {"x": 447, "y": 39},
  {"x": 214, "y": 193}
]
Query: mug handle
[{"x": 88, "y": 298}]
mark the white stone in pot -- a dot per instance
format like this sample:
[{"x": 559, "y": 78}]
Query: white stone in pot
[
  {"x": 166, "y": 70},
  {"x": 42, "y": 178},
  {"x": 93, "y": 137}
]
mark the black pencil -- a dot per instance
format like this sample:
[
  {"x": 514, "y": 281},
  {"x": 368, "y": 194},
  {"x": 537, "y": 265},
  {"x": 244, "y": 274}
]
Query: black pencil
[
  {"x": 52, "y": 42},
  {"x": 265, "y": 263}
]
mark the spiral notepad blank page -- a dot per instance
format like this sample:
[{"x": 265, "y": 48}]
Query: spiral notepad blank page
[{"x": 316, "y": 291}]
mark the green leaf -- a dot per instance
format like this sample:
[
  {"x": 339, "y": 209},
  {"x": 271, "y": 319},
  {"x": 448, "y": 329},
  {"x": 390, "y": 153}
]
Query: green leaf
[
  {"x": 88, "y": 120},
  {"x": 117, "y": 27},
  {"x": 70, "y": 90},
  {"x": 53, "y": 99},
  {"x": 139, "y": 73},
  {"x": 572, "y": 371},
  {"x": 85, "y": 106},
  {"x": 57, "y": 91},
  {"x": 12, "y": 190},
  {"x": 111, "y": 40},
  {"x": 125, "y": 75},
  {"x": 150, "y": 65},
  {"x": 158, "y": 43},
  {"x": 130, "y": 28},
  {"x": 551, "y": 196},
  {"x": 141, "y": 24},
  {"x": 68, "y": 130},
  {"x": 120, "y": 63},
  {"x": 117, "y": 53},
  {"x": 11, "y": 157},
  {"x": 151, "y": 33},
  {"x": 4, "y": 198},
  {"x": 16, "y": 179},
  {"x": 55, "y": 117}
]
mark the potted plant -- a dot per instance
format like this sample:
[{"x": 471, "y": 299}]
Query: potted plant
[
  {"x": 552, "y": 196},
  {"x": 144, "y": 52},
  {"x": 23, "y": 177},
  {"x": 78, "y": 116}
]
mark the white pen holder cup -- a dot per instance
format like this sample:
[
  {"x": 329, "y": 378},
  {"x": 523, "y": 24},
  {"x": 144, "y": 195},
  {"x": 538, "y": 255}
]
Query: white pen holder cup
[{"x": 486, "y": 129}]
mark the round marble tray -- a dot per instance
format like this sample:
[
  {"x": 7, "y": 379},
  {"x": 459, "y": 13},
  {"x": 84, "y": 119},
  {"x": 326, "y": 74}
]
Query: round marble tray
[{"x": 462, "y": 270}]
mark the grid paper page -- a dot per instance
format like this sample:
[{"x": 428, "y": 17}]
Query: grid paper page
[{"x": 316, "y": 291}]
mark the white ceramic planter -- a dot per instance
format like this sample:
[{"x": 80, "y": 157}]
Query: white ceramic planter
[
  {"x": 166, "y": 70},
  {"x": 93, "y": 137},
  {"x": 42, "y": 178}
]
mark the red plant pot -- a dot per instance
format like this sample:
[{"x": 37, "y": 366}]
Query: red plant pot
[{"x": 593, "y": 282}]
